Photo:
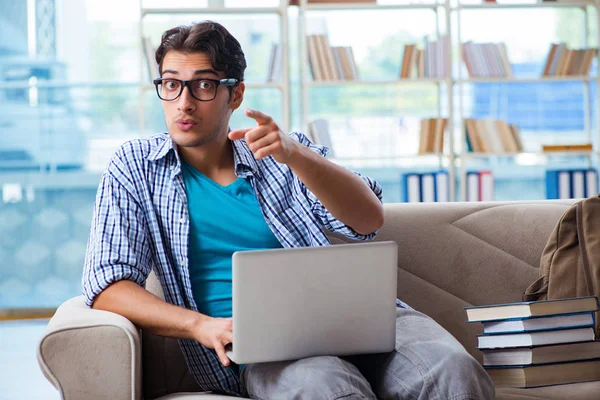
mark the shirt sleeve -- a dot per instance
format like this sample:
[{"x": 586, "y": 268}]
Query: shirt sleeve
[
  {"x": 117, "y": 247},
  {"x": 327, "y": 220}
]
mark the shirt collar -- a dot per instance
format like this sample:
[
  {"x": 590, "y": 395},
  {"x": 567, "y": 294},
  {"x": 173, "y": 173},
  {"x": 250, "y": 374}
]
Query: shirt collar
[
  {"x": 162, "y": 148},
  {"x": 243, "y": 158},
  {"x": 245, "y": 163}
]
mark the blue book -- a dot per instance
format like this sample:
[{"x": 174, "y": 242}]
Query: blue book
[{"x": 536, "y": 324}]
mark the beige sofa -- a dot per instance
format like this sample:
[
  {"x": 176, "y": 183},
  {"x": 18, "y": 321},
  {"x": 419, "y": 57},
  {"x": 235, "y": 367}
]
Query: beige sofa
[{"x": 449, "y": 255}]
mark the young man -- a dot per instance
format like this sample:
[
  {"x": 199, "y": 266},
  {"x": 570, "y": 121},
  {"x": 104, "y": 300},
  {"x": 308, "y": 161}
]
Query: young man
[{"x": 181, "y": 203}]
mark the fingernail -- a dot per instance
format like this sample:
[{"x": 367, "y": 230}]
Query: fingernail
[{"x": 249, "y": 110}]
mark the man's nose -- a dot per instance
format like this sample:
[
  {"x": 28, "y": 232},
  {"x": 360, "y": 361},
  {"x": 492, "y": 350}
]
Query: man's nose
[{"x": 186, "y": 101}]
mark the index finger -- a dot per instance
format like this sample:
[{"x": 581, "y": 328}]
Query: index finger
[{"x": 258, "y": 116}]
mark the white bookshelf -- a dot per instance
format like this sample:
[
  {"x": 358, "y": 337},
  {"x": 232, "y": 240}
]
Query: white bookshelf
[
  {"x": 218, "y": 8},
  {"x": 440, "y": 13},
  {"x": 543, "y": 4},
  {"x": 446, "y": 16},
  {"x": 462, "y": 82}
]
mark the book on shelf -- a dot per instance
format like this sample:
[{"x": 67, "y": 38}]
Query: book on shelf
[
  {"x": 428, "y": 62},
  {"x": 431, "y": 135},
  {"x": 492, "y": 136},
  {"x": 275, "y": 71},
  {"x": 562, "y": 61},
  {"x": 480, "y": 186},
  {"x": 538, "y": 338},
  {"x": 583, "y": 147},
  {"x": 319, "y": 134},
  {"x": 149, "y": 52},
  {"x": 543, "y": 375},
  {"x": 571, "y": 183},
  {"x": 578, "y": 320},
  {"x": 330, "y": 63},
  {"x": 531, "y": 308},
  {"x": 426, "y": 187},
  {"x": 554, "y": 353},
  {"x": 485, "y": 60}
]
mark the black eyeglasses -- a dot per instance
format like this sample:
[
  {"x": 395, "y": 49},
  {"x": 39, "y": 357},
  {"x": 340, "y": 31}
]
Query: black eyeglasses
[{"x": 169, "y": 89}]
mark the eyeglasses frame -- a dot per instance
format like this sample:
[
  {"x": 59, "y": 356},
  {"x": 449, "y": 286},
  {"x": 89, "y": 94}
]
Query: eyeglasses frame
[{"x": 229, "y": 82}]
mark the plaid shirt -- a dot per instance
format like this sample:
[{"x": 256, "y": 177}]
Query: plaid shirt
[{"x": 141, "y": 224}]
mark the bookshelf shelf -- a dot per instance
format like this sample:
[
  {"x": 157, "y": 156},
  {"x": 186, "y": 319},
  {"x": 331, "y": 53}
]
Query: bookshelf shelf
[
  {"x": 382, "y": 82},
  {"x": 496, "y": 138},
  {"x": 545, "y": 4},
  {"x": 393, "y": 157},
  {"x": 370, "y": 6},
  {"x": 312, "y": 59},
  {"x": 471, "y": 155},
  {"x": 577, "y": 78},
  {"x": 214, "y": 10}
]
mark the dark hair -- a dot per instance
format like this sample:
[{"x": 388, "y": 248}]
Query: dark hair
[{"x": 207, "y": 37}]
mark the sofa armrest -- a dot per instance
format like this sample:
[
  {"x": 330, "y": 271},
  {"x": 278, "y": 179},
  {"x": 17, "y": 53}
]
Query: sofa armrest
[{"x": 91, "y": 354}]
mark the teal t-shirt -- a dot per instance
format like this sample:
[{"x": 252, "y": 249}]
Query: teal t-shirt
[{"x": 223, "y": 219}]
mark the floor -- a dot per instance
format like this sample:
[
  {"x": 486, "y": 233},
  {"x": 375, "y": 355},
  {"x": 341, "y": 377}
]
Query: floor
[{"x": 20, "y": 375}]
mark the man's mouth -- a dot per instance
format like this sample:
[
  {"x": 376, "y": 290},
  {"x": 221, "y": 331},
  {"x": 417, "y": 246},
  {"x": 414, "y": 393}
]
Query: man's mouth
[{"x": 185, "y": 124}]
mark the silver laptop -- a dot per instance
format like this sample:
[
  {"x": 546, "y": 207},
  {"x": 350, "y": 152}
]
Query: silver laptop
[{"x": 290, "y": 304}]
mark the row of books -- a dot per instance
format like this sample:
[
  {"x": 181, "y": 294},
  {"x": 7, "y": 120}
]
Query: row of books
[
  {"x": 486, "y": 60},
  {"x": 492, "y": 136},
  {"x": 480, "y": 186},
  {"x": 428, "y": 62},
  {"x": 540, "y": 343},
  {"x": 426, "y": 187},
  {"x": 562, "y": 61},
  {"x": 329, "y": 63},
  {"x": 431, "y": 135},
  {"x": 571, "y": 183}
]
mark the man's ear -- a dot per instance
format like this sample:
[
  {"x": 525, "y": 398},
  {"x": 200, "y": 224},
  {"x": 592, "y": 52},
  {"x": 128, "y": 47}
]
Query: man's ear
[{"x": 237, "y": 96}]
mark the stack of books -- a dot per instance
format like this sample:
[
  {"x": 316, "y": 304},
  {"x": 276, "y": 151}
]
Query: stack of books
[{"x": 539, "y": 343}]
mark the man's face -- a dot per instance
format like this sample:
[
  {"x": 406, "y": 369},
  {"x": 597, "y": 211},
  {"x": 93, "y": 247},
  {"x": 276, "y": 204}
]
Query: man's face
[{"x": 192, "y": 122}]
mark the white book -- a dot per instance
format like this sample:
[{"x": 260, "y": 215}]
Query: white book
[
  {"x": 441, "y": 183},
  {"x": 591, "y": 183},
  {"x": 487, "y": 186},
  {"x": 319, "y": 134},
  {"x": 473, "y": 187},
  {"x": 564, "y": 185},
  {"x": 578, "y": 184},
  {"x": 535, "y": 338},
  {"x": 428, "y": 188},
  {"x": 414, "y": 189}
]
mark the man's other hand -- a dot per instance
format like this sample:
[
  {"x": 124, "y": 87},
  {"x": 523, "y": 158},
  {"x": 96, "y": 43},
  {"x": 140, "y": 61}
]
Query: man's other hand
[{"x": 266, "y": 139}]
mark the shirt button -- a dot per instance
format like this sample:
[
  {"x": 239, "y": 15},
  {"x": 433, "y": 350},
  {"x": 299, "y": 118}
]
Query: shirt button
[
  {"x": 181, "y": 220},
  {"x": 171, "y": 168}
]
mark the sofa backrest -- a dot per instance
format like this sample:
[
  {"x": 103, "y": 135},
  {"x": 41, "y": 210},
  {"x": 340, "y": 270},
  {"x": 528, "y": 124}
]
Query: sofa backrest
[
  {"x": 450, "y": 255},
  {"x": 460, "y": 254}
]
